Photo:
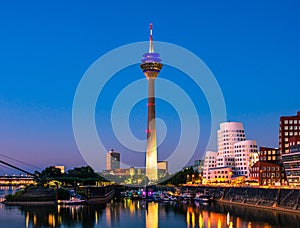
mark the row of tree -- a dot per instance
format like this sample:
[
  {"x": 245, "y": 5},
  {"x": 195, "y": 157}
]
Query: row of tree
[
  {"x": 82, "y": 175},
  {"x": 87, "y": 176}
]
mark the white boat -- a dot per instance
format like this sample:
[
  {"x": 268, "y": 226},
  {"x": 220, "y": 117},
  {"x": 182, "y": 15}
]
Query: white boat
[
  {"x": 200, "y": 197},
  {"x": 73, "y": 201}
]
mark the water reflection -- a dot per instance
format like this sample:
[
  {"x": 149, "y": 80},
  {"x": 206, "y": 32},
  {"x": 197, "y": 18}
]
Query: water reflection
[
  {"x": 152, "y": 215},
  {"x": 128, "y": 213},
  {"x": 4, "y": 190},
  {"x": 55, "y": 216}
]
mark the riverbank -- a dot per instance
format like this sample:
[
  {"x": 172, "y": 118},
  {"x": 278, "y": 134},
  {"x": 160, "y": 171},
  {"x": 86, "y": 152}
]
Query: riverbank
[
  {"x": 37, "y": 195},
  {"x": 26, "y": 203},
  {"x": 275, "y": 199},
  {"x": 269, "y": 208}
]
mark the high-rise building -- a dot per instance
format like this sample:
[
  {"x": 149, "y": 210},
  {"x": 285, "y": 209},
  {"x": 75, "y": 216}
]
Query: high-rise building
[
  {"x": 289, "y": 127},
  {"x": 162, "y": 165},
  {"x": 112, "y": 160},
  {"x": 151, "y": 67}
]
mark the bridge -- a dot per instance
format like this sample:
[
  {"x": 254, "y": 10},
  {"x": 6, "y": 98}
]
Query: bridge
[{"x": 16, "y": 180}]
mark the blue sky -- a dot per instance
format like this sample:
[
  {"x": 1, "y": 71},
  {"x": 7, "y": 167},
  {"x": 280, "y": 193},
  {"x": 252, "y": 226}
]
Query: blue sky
[{"x": 252, "y": 48}]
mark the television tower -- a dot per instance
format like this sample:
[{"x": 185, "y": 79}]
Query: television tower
[{"x": 151, "y": 67}]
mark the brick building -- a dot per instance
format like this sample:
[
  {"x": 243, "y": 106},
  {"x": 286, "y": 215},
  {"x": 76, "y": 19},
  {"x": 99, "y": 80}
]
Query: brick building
[{"x": 289, "y": 127}]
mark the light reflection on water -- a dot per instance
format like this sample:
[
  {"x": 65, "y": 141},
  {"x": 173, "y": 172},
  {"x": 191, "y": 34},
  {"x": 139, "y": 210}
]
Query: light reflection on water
[
  {"x": 4, "y": 190},
  {"x": 136, "y": 214}
]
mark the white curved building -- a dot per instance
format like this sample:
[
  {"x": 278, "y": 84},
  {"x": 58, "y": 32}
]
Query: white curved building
[
  {"x": 245, "y": 155},
  {"x": 229, "y": 134},
  {"x": 209, "y": 162}
]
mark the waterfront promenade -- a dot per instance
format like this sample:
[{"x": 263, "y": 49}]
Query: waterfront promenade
[{"x": 264, "y": 198}]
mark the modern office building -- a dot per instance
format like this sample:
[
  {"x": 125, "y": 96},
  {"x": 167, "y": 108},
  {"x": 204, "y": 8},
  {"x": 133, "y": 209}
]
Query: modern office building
[
  {"x": 198, "y": 166},
  {"x": 151, "y": 67},
  {"x": 112, "y": 160},
  {"x": 245, "y": 155},
  {"x": 291, "y": 161},
  {"x": 162, "y": 165},
  {"x": 289, "y": 127}
]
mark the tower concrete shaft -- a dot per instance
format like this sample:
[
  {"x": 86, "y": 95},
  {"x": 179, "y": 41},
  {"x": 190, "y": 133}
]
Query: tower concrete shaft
[
  {"x": 151, "y": 147},
  {"x": 151, "y": 67}
]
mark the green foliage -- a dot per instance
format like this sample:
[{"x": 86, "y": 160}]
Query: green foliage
[
  {"x": 63, "y": 194},
  {"x": 180, "y": 177},
  {"x": 82, "y": 172},
  {"x": 78, "y": 175},
  {"x": 9, "y": 197}
]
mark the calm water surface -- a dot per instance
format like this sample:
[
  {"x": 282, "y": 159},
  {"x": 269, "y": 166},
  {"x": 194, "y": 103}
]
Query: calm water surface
[{"x": 140, "y": 214}]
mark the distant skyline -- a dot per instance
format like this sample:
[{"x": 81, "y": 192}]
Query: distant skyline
[{"x": 252, "y": 48}]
